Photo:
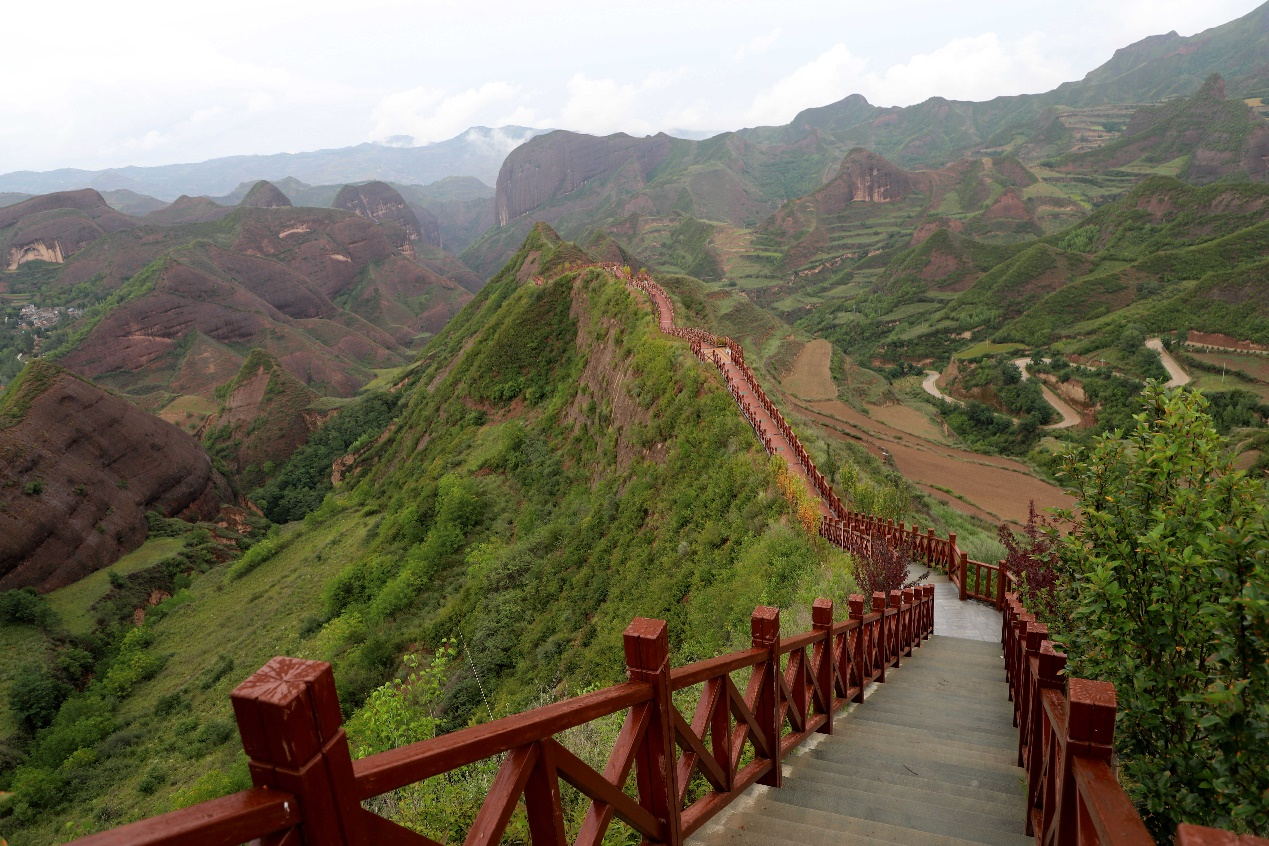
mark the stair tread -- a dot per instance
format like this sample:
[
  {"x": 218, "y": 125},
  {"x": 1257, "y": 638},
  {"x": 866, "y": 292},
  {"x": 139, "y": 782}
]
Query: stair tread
[
  {"x": 809, "y": 764},
  {"x": 774, "y": 824}
]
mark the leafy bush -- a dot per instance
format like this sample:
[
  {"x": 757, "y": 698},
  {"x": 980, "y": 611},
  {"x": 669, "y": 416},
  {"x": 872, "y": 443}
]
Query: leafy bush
[
  {"x": 35, "y": 696},
  {"x": 25, "y": 606},
  {"x": 1170, "y": 567}
]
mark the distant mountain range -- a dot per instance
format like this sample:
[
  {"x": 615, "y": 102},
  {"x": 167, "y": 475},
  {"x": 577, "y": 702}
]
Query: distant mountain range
[
  {"x": 931, "y": 133},
  {"x": 477, "y": 152}
]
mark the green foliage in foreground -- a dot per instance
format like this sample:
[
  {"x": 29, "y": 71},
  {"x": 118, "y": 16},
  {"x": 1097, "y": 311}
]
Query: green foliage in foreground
[{"x": 1169, "y": 567}]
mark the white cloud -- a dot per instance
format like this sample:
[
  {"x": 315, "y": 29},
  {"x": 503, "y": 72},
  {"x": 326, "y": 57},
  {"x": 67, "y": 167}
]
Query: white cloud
[
  {"x": 829, "y": 77},
  {"x": 431, "y": 114},
  {"x": 602, "y": 106},
  {"x": 977, "y": 68},
  {"x": 757, "y": 45}
]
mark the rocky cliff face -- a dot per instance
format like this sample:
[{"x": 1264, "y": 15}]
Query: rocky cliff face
[
  {"x": 866, "y": 177},
  {"x": 78, "y": 470},
  {"x": 380, "y": 201},
  {"x": 265, "y": 195},
  {"x": 276, "y": 288},
  {"x": 54, "y": 227},
  {"x": 558, "y": 163}
]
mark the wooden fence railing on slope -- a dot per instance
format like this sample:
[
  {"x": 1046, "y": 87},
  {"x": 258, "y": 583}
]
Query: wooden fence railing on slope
[
  {"x": 1065, "y": 725},
  {"x": 850, "y": 530},
  {"x": 754, "y": 707}
]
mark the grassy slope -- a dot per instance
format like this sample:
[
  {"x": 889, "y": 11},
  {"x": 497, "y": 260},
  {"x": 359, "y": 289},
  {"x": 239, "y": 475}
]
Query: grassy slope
[{"x": 512, "y": 524}]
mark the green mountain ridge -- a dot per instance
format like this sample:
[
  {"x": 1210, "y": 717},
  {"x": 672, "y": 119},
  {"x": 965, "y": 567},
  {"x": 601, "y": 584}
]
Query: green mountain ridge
[{"x": 555, "y": 467}]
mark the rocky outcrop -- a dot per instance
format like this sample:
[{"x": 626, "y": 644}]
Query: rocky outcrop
[
  {"x": 78, "y": 470},
  {"x": 275, "y": 287},
  {"x": 380, "y": 201},
  {"x": 54, "y": 227},
  {"x": 266, "y": 417},
  {"x": 866, "y": 177},
  {"x": 265, "y": 195},
  {"x": 558, "y": 163}
]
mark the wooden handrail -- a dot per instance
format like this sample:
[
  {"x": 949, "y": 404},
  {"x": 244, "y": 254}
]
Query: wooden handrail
[
  {"x": 227, "y": 821},
  {"x": 1066, "y": 729},
  {"x": 308, "y": 787},
  {"x": 416, "y": 762}
]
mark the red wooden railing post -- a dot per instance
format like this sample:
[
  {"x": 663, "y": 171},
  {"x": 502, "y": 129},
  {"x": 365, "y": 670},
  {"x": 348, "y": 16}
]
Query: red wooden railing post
[
  {"x": 1090, "y": 732},
  {"x": 647, "y": 649},
  {"x": 1019, "y": 659},
  {"x": 963, "y": 568},
  {"x": 883, "y": 655},
  {"x": 765, "y": 630},
  {"x": 861, "y": 644},
  {"x": 1000, "y": 586},
  {"x": 951, "y": 555},
  {"x": 929, "y": 610},
  {"x": 822, "y": 658},
  {"x": 912, "y": 623},
  {"x": 895, "y": 635},
  {"x": 1029, "y": 706},
  {"x": 288, "y": 717}
]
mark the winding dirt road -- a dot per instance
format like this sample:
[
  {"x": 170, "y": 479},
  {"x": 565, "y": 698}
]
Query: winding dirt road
[
  {"x": 1179, "y": 376},
  {"x": 931, "y": 387},
  {"x": 1070, "y": 417}
]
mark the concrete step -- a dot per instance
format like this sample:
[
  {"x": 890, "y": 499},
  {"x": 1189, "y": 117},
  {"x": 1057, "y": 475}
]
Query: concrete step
[
  {"x": 935, "y": 707},
  {"x": 911, "y": 750},
  {"x": 936, "y": 701},
  {"x": 811, "y": 773},
  {"x": 979, "y": 828},
  {"x": 968, "y": 774},
  {"x": 807, "y": 764},
  {"x": 772, "y": 824},
  {"x": 950, "y": 738},
  {"x": 900, "y": 715}
]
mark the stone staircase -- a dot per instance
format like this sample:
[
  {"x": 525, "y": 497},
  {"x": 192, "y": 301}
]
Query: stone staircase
[{"x": 928, "y": 758}]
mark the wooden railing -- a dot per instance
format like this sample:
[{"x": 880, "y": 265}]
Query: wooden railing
[
  {"x": 308, "y": 790},
  {"x": 850, "y": 530},
  {"x": 1066, "y": 729}
]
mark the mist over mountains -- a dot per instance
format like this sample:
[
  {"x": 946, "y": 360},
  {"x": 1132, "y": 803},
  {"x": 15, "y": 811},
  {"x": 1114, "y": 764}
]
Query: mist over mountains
[{"x": 478, "y": 152}]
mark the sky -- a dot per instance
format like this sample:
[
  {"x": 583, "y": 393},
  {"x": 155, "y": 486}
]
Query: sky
[{"x": 147, "y": 83}]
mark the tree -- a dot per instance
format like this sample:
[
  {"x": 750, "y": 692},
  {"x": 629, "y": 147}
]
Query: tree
[
  {"x": 35, "y": 696},
  {"x": 1169, "y": 564}
]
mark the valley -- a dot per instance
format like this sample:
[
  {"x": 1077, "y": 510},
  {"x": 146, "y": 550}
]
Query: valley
[{"x": 458, "y": 412}]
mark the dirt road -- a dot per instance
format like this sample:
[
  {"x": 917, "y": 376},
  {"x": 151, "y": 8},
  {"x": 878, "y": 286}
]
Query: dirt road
[
  {"x": 1070, "y": 417},
  {"x": 1179, "y": 376}
]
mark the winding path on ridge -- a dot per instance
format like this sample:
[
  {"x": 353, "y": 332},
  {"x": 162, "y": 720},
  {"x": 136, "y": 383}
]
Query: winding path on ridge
[
  {"x": 778, "y": 444},
  {"x": 988, "y": 487}
]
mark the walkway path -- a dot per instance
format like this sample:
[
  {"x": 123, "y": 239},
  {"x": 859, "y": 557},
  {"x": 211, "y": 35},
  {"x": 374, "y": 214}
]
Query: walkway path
[
  {"x": 929, "y": 758},
  {"x": 931, "y": 387},
  {"x": 1179, "y": 376},
  {"x": 953, "y": 618},
  {"x": 1070, "y": 417}
]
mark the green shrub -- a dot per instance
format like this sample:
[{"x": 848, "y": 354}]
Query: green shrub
[
  {"x": 35, "y": 696},
  {"x": 1170, "y": 563},
  {"x": 25, "y": 606}
]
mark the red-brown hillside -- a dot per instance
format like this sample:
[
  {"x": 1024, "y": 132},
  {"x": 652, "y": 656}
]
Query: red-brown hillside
[
  {"x": 54, "y": 227},
  {"x": 80, "y": 468}
]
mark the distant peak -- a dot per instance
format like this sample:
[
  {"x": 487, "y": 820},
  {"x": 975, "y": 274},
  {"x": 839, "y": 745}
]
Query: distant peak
[
  {"x": 1214, "y": 87},
  {"x": 265, "y": 195}
]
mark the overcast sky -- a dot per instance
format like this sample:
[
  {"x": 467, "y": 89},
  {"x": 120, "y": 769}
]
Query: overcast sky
[{"x": 109, "y": 84}]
